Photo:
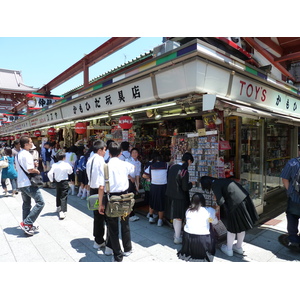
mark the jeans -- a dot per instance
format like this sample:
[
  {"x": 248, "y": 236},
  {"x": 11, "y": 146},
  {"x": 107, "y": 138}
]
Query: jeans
[
  {"x": 62, "y": 189},
  {"x": 292, "y": 228},
  {"x": 30, "y": 215},
  {"x": 13, "y": 182}
]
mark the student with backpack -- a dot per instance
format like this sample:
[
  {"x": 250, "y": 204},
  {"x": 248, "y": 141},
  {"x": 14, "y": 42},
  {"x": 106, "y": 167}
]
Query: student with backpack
[
  {"x": 80, "y": 170},
  {"x": 290, "y": 178}
]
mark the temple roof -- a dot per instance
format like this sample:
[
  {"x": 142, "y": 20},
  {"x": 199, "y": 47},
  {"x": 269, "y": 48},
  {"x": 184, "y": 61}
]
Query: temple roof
[{"x": 11, "y": 81}]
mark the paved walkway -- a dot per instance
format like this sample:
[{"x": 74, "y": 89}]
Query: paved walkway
[{"x": 71, "y": 239}]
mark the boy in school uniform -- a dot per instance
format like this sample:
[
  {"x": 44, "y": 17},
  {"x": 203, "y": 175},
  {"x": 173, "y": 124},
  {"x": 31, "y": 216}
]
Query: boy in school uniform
[{"x": 59, "y": 173}]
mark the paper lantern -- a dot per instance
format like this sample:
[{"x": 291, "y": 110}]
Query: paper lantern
[
  {"x": 80, "y": 127},
  {"x": 37, "y": 133},
  {"x": 51, "y": 131},
  {"x": 11, "y": 137},
  {"x": 17, "y": 136},
  {"x": 125, "y": 122}
]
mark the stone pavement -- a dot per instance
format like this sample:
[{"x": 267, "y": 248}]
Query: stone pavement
[{"x": 71, "y": 239}]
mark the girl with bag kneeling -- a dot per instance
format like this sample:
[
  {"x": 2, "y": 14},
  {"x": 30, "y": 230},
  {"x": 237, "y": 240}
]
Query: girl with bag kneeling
[{"x": 198, "y": 241}]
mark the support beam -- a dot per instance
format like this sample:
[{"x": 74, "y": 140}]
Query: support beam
[
  {"x": 112, "y": 45},
  {"x": 291, "y": 56},
  {"x": 268, "y": 56}
]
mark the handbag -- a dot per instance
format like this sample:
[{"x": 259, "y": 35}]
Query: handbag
[
  {"x": 35, "y": 179},
  {"x": 4, "y": 163}
]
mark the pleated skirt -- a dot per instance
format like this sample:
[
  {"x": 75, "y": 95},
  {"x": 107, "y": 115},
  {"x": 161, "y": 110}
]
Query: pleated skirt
[
  {"x": 197, "y": 247},
  {"x": 157, "y": 196},
  {"x": 242, "y": 217}
]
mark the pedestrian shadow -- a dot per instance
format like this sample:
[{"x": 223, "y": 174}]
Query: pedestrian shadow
[
  {"x": 85, "y": 246},
  {"x": 16, "y": 231},
  {"x": 49, "y": 214}
]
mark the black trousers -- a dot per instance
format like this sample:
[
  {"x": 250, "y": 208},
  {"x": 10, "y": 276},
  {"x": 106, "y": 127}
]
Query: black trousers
[
  {"x": 113, "y": 235},
  {"x": 99, "y": 223},
  {"x": 62, "y": 189}
]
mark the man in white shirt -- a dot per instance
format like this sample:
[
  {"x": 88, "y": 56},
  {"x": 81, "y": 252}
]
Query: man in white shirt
[
  {"x": 59, "y": 173},
  {"x": 95, "y": 174},
  {"x": 118, "y": 180},
  {"x": 25, "y": 160}
]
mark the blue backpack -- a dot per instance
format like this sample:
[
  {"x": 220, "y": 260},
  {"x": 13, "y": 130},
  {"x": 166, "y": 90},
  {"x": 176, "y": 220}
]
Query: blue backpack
[{"x": 82, "y": 163}]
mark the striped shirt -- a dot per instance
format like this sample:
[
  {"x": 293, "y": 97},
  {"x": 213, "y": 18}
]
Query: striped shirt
[{"x": 289, "y": 172}]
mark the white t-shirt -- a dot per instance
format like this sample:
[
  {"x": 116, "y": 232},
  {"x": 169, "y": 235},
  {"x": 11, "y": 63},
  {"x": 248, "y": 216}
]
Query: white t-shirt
[
  {"x": 25, "y": 158},
  {"x": 97, "y": 178},
  {"x": 197, "y": 222}
]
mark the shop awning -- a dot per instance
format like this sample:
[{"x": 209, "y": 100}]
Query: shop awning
[{"x": 237, "y": 109}]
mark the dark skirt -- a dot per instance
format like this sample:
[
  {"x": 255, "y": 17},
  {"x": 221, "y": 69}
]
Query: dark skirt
[
  {"x": 197, "y": 247},
  {"x": 82, "y": 177},
  {"x": 176, "y": 208},
  {"x": 243, "y": 217},
  {"x": 157, "y": 196}
]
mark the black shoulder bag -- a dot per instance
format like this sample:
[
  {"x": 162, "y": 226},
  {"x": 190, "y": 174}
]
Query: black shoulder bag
[{"x": 35, "y": 179}]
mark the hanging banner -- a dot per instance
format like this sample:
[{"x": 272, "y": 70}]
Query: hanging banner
[{"x": 38, "y": 101}]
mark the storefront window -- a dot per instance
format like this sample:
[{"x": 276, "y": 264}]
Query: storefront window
[
  {"x": 251, "y": 175},
  {"x": 277, "y": 152}
]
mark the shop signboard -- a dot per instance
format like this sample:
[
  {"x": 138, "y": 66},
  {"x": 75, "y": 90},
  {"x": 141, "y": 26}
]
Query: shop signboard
[
  {"x": 135, "y": 93},
  {"x": 254, "y": 92},
  {"x": 47, "y": 118}
]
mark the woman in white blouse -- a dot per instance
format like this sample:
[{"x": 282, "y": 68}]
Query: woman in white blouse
[{"x": 198, "y": 243}]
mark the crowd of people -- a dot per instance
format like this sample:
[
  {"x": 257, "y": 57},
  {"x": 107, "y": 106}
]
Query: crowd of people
[{"x": 166, "y": 188}]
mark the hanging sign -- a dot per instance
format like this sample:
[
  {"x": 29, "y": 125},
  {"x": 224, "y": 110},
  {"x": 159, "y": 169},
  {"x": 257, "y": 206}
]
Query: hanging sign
[
  {"x": 125, "y": 122},
  {"x": 51, "y": 131},
  {"x": 37, "y": 133},
  {"x": 80, "y": 127}
]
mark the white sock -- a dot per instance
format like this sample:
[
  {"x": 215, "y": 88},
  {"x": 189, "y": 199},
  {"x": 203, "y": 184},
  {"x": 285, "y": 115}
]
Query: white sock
[
  {"x": 83, "y": 193},
  {"x": 80, "y": 191},
  {"x": 177, "y": 224},
  {"x": 72, "y": 186},
  {"x": 230, "y": 240},
  {"x": 240, "y": 239}
]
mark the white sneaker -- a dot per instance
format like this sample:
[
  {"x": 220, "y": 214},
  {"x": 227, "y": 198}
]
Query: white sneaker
[
  {"x": 97, "y": 246},
  {"x": 134, "y": 218},
  {"x": 148, "y": 215},
  {"x": 151, "y": 220},
  {"x": 127, "y": 253},
  {"x": 237, "y": 250},
  {"x": 177, "y": 240},
  {"x": 226, "y": 251},
  {"x": 62, "y": 215},
  {"x": 108, "y": 251},
  {"x": 160, "y": 222}
]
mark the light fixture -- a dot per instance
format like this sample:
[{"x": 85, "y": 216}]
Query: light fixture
[
  {"x": 150, "y": 113},
  {"x": 157, "y": 116}
]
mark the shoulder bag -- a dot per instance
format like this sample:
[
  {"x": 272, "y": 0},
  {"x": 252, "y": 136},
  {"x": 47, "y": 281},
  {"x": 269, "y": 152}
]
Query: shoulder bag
[
  {"x": 117, "y": 206},
  {"x": 35, "y": 179},
  {"x": 4, "y": 163}
]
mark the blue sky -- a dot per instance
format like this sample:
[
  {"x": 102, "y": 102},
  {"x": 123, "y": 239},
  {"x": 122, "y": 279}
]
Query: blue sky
[{"x": 40, "y": 59}]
